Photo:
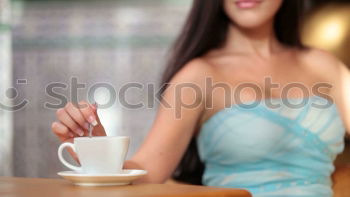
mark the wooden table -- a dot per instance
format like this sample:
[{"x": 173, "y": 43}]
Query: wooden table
[{"x": 33, "y": 187}]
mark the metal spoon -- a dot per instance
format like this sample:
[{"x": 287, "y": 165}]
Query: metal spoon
[
  {"x": 90, "y": 130},
  {"x": 91, "y": 127}
]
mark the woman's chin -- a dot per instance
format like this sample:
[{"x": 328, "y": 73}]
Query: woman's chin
[{"x": 249, "y": 24}]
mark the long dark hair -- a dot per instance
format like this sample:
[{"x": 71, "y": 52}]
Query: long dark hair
[{"x": 206, "y": 28}]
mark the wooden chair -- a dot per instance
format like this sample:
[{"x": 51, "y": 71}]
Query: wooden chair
[{"x": 341, "y": 181}]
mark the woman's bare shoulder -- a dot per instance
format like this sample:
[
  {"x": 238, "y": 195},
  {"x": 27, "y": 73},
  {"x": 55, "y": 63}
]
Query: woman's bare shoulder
[
  {"x": 195, "y": 71},
  {"x": 318, "y": 56},
  {"x": 320, "y": 62}
]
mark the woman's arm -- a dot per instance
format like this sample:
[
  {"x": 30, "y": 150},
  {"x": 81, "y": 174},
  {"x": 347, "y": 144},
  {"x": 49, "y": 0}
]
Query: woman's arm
[
  {"x": 177, "y": 119},
  {"x": 174, "y": 126},
  {"x": 342, "y": 93},
  {"x": 331, "y": 70}
]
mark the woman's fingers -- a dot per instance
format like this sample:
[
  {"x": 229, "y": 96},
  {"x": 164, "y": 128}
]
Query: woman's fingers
[
  {"x": 88, "y": 112},
  {"x": 67, "y": 120},
  {"x": 74, "y": 119},
  {"x": 61, "y": 131},
  {"x": 76, "y": 115}
]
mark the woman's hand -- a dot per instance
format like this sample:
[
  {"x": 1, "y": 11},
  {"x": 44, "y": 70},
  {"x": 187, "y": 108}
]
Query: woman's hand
[{"x": 73, "y": 121}]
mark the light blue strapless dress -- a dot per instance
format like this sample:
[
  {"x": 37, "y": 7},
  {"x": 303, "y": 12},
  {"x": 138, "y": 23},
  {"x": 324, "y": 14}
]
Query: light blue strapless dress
[{"x": 284, "y": 151}]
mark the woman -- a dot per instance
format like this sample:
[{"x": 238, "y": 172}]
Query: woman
[{"x": 269, "y": 150}]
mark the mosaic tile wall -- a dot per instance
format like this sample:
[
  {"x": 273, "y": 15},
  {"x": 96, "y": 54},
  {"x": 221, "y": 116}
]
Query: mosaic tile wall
[{"x": 114, "y": 42}]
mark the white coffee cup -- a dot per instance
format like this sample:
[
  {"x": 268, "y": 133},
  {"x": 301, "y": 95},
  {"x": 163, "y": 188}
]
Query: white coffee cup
[{"x": 97, "y": 154}]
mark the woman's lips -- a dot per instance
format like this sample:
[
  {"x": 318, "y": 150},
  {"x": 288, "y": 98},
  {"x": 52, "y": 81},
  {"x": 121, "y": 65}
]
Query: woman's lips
[{"x": 245, "y": 4}]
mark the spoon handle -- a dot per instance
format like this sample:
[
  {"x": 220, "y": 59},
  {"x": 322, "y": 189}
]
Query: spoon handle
[
  {"x": 91, "y": 127},
  {"x": 90, "y": 130}
]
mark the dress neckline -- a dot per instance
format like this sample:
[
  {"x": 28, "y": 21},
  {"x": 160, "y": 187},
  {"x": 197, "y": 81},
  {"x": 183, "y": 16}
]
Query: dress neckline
[{"x": 262, "y": 101}]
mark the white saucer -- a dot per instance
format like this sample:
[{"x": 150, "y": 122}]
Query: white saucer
[{"x": 124, "y": 178}]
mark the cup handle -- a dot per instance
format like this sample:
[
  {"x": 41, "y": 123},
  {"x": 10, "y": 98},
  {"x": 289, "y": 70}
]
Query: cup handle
[{"x": 64, "y": 162}]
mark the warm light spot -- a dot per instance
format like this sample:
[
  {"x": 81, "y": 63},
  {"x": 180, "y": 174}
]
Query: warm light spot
[
  {"x": 327, "y": 28},
  {"x": 332, "y": 32}
]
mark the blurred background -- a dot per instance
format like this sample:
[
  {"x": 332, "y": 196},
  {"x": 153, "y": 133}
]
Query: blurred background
[{"x": 110, "y": 41}]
